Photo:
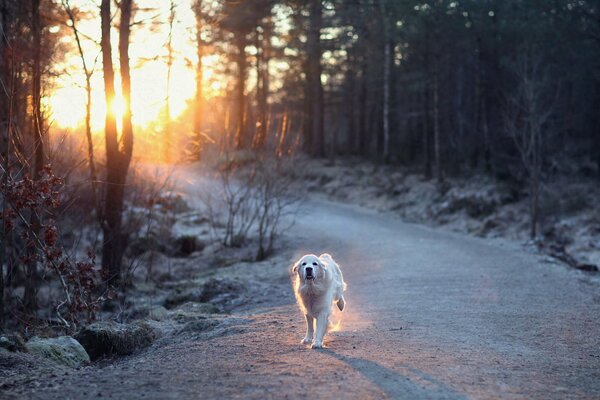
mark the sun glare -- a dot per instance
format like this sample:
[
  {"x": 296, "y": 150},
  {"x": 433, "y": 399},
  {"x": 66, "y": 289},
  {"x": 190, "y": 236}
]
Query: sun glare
[
  {"x": 117, "y": 107},
  {"x": 148, "y": 76}
]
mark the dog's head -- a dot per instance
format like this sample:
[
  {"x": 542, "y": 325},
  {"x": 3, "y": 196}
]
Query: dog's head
[{"x": 309, "y": 268}]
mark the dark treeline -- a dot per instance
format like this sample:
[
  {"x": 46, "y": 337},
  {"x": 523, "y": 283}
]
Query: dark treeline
[
  {"x": 446, "y": 86},
  {"x": 454, "y": 71}
]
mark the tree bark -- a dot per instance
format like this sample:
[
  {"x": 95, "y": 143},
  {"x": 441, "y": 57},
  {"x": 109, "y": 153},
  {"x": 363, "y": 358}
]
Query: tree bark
[
  {"x": 198, "y": 101},
  {"x": 167, "y": 138},
  {"x": 426, "y": 133},
  {"x": 88, "y": 108},
  {"x": 315, "y": 87},
  {"x": 363, "y": 145},
  {"x": 31, "y": 278},
  {"x": 386, "y": 83},
  {"x": 5, "y": 131},
  {"x": 262, "y": 71},
  {"x": 240, "y": 136},
  {"x": 436, "y": 123},
  {"x": 118, "y": 152}
]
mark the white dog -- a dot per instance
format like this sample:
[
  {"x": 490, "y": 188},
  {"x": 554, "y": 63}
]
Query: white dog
[{"x": 319, "y": 283}]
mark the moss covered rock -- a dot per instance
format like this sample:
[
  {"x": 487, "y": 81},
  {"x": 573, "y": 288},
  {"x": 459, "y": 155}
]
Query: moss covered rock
[
  {"x": 64, "y": 350},
  {"x": 12, "y": 343},
  {"x": 110, "y": 338}
]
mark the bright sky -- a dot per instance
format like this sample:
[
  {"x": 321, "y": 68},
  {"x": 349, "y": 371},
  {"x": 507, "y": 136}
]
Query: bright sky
[{"x": 148, "y": 62}]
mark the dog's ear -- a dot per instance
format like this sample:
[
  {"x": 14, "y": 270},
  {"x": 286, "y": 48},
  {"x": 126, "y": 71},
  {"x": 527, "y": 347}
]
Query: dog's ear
[
  {"x": 295, "y": 267},
  {"x": 322, "y": 265}
]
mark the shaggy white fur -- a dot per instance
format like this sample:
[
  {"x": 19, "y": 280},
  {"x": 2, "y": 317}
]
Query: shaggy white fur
[{"x": 319, "y": 283}]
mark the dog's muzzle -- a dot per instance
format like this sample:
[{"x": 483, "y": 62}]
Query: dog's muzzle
[{"x": 309, "y": 274}]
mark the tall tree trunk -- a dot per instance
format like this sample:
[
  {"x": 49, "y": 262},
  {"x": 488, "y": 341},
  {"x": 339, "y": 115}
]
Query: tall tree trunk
[
  {"x": 126, "y": 142},
  {"x": 426, "y": 133},
  {"x": 198, "y": 112},
  {"x": 5, "y": 137},
  {"x": 262, "y": 70},
  {"x": 363, "y": 145},
  {"x": 386, "y": 83},
  {"x": 31, "y": 278},
  {"x": 436, "y": 122},
  {"x": 259, "y": 49},
  {"x": 352, "y": 141},
  {"x": 167, "y": 138},
  {"x": 240, "y": 135},
  {"x": 88, "y": 108},
  {"x": 315, "y": 87},
  {"x": 118, "y": 152}
]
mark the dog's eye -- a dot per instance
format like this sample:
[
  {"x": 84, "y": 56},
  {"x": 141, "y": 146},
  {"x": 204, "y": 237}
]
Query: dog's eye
[
  {"x": 303, "y": 264},
  {"x": 315, "y": 264}
]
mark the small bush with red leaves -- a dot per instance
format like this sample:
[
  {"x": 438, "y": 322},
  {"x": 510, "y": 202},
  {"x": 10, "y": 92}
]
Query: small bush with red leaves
[{"x": 29, "y": 206}]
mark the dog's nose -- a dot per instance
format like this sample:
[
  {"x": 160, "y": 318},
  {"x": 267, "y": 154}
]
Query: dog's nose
[{"x": 309, "y": 270}]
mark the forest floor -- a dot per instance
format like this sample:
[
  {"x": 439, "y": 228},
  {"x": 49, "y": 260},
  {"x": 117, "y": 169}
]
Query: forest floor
[{"x": 431, "y": 314}]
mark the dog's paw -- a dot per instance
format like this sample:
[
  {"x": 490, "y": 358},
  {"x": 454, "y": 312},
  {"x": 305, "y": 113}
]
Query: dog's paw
[
  {"x": 317, "y": 345},
  {"x": 341, "y": 304},
  {"x": 306, "y": 340}
]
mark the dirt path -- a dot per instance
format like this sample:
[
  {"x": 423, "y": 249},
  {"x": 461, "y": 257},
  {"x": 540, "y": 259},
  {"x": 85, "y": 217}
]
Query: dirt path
[{"x": 430, "y": 315}]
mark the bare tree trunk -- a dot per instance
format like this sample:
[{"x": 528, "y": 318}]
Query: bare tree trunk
[
  {"x": 124, "y": 34},
  {"x": 363, "y": 145},
  {"x": 5, "y": 131},
  {"x": 386, "y": 83},
  {"x": 88, "y": 108},
  {"x": 31, "y": 278},
  {"x": 315, "y": 87},
  {"x": 436, "y": 123},
  {"x": 167, "y": 139},
  {"x": 118, "y": 153},
  {"x": 198, "y": 112},
  {"x": 351, "y": 104},
  {"x": 262, "y": 71},
  {"x": 426, "y": 134},
  {"x": 259, "y": 49},
  {"x": 240, "y": 136}
]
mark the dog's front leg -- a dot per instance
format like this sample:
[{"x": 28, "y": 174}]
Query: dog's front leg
[
  {"x": 322, "y": 321},
  {"x": 309, "y": 329}
]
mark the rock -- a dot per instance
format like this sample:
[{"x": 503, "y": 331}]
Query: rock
[
  {"x": 587, "y": 267},
  {"x": 188, "y": 244},
  {"x": 180, "y": 296},
  {"x": 216, "y": 291},
  {"x": 198, "y": 326},
  {"x": 219, "y": 290},
  {"x": 158, "y": 313},
  {"x": 110, "y": 338},
  {"x": 13, "y": 343},
  {"x": 17, "y": 368},
  {"x": 143, "y": 244},
  {"x": 198, "y": 308},
  {"x": 194, "y": 311},
  {"x": 64, "y": 350}
]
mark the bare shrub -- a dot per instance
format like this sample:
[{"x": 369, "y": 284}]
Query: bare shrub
[
  {"x": 251, "y": 198},
  {"x": 152, "y": 205}
]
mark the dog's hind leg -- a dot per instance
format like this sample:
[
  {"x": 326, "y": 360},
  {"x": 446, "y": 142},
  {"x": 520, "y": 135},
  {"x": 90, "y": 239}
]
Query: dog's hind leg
[{"x": 309, "y": 329}]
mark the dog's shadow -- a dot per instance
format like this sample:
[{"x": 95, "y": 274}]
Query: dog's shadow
[{"x": 413, "y": 384}]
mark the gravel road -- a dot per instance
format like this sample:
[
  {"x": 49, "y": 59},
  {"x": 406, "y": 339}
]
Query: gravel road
[{"x": 430, "y": 315}]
